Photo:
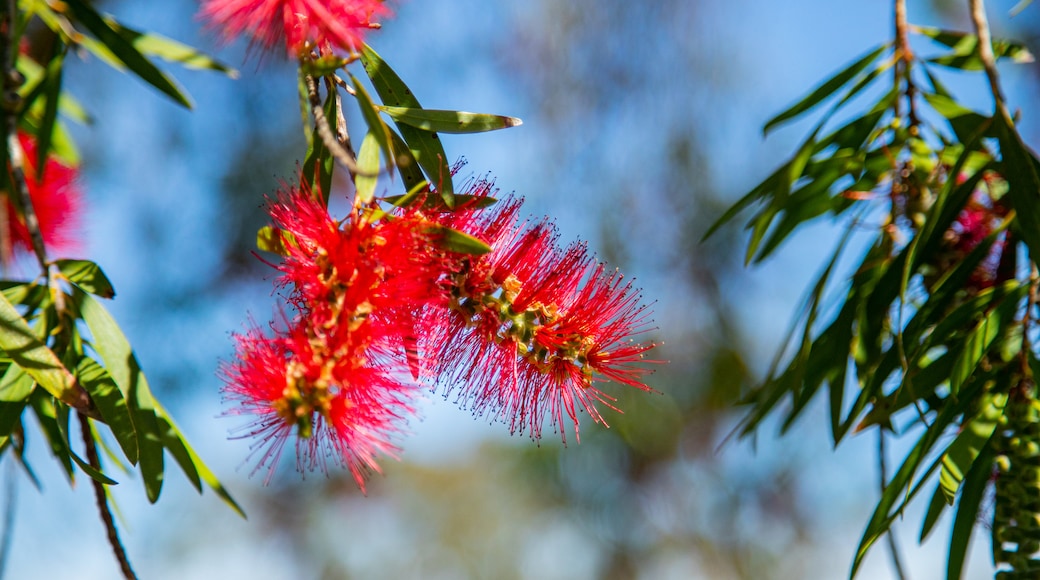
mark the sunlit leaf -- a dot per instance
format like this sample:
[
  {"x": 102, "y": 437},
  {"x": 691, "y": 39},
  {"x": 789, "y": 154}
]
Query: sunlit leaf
[
  {"x": 88, "y": 276},
  {"x": 368, "y": 168},
  {"x": 964, "y": 55},
  {"x": 457, "y": 241},
  {"x": 110, "y": 402},
  {"x": 960, "y": 456},
  {"x": 449, "y": 121}
]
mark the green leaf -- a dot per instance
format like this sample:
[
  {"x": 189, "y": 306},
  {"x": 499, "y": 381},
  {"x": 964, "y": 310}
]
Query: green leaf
[
  {"x": 1023, "y": 176},
  {"x": 51, "y": 86},
  {"x": 122, "y": 366},
  {"x": 826, "y": 89},
  {"x": 975, "y": 483},
  {"x": 935, "y": 509},
  {"x": 110, "y": 402},
  {"x": 376, "y": 127},
  {"x": 435, "y": 120},
  {"x": 170, "y": 50},
  {"x": 10, "y": 415},
  {"x": 457, "y": 241},
  {"x": 425, "y": 147},
  {"x": 20, "y": 343},
  {"x": 979, "y": 341},
  {"x": 368, "y": 168},
  {"x": 964, "y": 122},
  {"x": 883, "y": 516},
  {"x": 15, "y": 385},
  {"x": 90, "y": 470},
  {"x": 965, "y": 49},
  {"x": 88, "y": 276},
  {"x": 407, "y": 165},
  {"x": 126, "y": 53},
  {"x": 469, "y": 202},
  {"x": 961, "y": 455},
  {"x": 190, "y": 462},
  {"x": 272, "y": 239},
  {"x": 48, "y": 416}
]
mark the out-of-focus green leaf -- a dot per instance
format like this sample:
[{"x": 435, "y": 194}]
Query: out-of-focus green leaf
[
  {"x": 90, "y": 470},
  {"x": 826, "y": 89},
  {"x": 110, "y": 402},
  {"x": 20, "y": 343},
  {"x": 961, "y": 455},
  {"x": 193, "y": 466},
  {"x": 34, "y": 77},
  {"x": 121, "y": 363},
  {"x": 125, "y": 52},
  {"x": 52, "y": 92},
  {"x": 425, "y": 147},
  {"x": 407, "y": 165},
  {"x": 965, "y": 122},
  {"x": 15, "y": 385},
  {"x": 965, "y": 49},
  {"x": 170, "y": 50},
  {"x": 935, "y": 509},
  {"x": 435, "y": 120},
  {"x": 272, "y": 239},
  {"x": 88, "y": 276},
  {"x": 10, "y": 413},
  {"x": 368, "y": 168}
]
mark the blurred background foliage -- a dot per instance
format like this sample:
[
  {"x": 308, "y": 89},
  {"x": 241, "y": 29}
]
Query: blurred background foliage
[{"x": 641, "y": 125}]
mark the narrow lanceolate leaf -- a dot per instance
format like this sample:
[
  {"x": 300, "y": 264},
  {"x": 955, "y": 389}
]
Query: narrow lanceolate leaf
[
  {"x": 170, "y": 50},
  {"x": 88, "y": 276},
  {"x": 121, "y": 364},
  {"x": 52, "y": 92},
  {"x": 960, "y": 456},
  {"x": 190, "y": 462},
  {"x": 15, "y": 385},
  {"x": 965, "y": 55},
  {"x": 426, "y": 147},
  {"x": 110, "y": 402},
  {"x": 376, "y": 126},
  {"x": 975, "y": 483},
  {"x": 826, "y": 89},
  {"x": 1022, "y": 171},
  {"x": 19, "y": 343},
  {"x": 435, "y": 120},
  {"x": 457, "y": 241},
  {"x": 368, "y": 169},
  {"x": 124, "y": 51}
]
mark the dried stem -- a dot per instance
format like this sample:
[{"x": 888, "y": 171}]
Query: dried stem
[
  {"x": 102, "y": 501},
  {"x": 902, "y": 66},
  {"x": 344, "y": 155}
]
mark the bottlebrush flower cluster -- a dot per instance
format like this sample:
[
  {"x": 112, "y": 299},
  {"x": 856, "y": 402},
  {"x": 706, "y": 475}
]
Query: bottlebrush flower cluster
[
  {"x": 55, "y": 196},
  {"x": 382, "y": 305},
  {"x": 301, "y": 24}
]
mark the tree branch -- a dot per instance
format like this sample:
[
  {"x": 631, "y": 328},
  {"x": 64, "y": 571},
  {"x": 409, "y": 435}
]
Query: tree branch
[{"x": 102, "y": 501}]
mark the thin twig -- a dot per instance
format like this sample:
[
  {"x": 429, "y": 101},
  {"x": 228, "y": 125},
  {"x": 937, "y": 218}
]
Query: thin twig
[
  {"x": 893, "y": 546},
  {"x": 342, "y": 136},
  {"x": 989, "y": 61},
  {"x": 102, "y": 502},
  {"x": 321, "y": 123}
]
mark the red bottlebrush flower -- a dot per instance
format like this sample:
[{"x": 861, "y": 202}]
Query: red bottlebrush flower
[
  {"x": 338, "y": 401},
  {"x": 340, "y": 24},
  {"x": 531, "y": 326},
  {"x": 55, "y": 196}
]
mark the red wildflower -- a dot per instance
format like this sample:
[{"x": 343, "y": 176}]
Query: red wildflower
[
  {"x": 301, "y": 24},
  {"x": 56, "y": 203},
  {"x": 531, "y": 326}
]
